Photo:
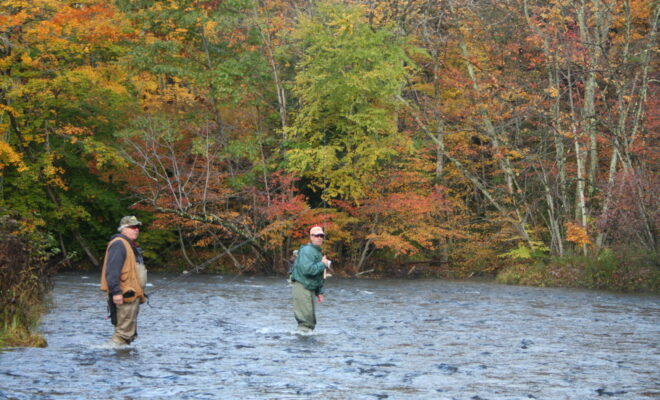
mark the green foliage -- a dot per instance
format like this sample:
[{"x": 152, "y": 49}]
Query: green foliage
[
  {"x": 637, "y": 271},
  {"x": 521, "y": 251},
  {"x": 63, "y": 96},
  {"x": 153, "y": 242},
  {"x": 348, "y": 83},
  {"x": 538, "y": 251},
  {"x": 525, "y": 274},
  {"x": 632, "y": 270}
]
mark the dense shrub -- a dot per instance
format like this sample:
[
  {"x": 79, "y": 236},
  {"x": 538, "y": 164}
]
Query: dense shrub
[
  {"x": 475, "y": 258},
  {"x": 634, "y": 270},
  {"x": 25, "y": 278}
]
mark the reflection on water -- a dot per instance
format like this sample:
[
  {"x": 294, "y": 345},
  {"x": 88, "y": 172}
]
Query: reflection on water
[{"x": 209, "y": 337}]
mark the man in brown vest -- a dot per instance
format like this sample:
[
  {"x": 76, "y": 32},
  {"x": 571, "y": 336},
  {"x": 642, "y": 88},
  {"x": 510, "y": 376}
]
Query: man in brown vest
[{"x": 124, "y": 278}]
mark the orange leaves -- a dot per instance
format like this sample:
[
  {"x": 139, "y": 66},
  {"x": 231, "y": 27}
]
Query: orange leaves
[
  {"x": 393, "y": 242},
  {"x": 407, "y": 220},
  {"x": 96, "y": 23},
  {"x": 8, "y": 22},
  {"x": 577, "y": 234},
  {"x": 406, "y": 204},
  {"x": 79, "y": 30}
]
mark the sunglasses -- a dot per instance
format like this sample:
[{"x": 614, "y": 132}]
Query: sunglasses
[
  {"x": 321, "y": 235},
  {"x": 133, "y": 227}
]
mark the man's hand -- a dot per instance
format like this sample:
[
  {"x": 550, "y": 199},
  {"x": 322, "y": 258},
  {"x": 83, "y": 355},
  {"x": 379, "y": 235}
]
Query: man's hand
[
  {"x": 118, "y": 299},
  {"x": 320, "y": 298}
]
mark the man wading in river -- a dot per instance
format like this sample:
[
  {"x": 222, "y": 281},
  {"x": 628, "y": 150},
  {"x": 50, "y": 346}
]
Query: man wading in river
[
  {"x": 124, "y": 278},
  {"x": 307, "y": 279}
]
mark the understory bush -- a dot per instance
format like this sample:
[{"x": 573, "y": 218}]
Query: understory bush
[
  {"x": 25, "y": 279},
  {"x": 630, "y": 270}
]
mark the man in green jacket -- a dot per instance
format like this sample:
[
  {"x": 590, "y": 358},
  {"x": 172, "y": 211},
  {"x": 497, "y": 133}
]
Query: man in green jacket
[{"x": 307, "y": 279}]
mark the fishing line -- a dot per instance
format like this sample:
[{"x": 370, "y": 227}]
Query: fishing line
[{"x": 198, "y": 268}]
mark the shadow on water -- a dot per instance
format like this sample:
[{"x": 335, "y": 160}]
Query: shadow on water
[{"x": 207, "y": 337}]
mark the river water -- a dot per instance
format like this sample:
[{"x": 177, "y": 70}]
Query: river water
[{"x": 214, "y": 337}]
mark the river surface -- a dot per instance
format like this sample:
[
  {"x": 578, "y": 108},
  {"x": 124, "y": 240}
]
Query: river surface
[{"x": 214, "y": 337}]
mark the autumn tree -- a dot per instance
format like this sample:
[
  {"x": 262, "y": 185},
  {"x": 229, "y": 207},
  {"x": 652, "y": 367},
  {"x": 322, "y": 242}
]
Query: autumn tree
[
  {"x": 62, "y": 94},
  {"x": 206, "y": 141}
]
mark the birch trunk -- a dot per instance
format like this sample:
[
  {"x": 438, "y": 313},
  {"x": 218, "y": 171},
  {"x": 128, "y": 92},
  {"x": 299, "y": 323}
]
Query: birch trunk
[
  {"x": 581, "y": 213},
  {"x": 594, "y": 41}
]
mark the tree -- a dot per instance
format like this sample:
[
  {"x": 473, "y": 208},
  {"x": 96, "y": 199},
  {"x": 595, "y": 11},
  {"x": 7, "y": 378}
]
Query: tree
[
  {"x": 61, "y": 96},
  {"x": 348, "y": 82}
]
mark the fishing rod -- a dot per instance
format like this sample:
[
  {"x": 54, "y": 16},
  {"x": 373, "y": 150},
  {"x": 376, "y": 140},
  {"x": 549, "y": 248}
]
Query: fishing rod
[{"x": 199, "y": 267}]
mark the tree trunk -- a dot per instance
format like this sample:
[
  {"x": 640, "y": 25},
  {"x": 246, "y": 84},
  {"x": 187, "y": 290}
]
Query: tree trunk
[
  {"x": 581, "y": 213},
  {"x": 81, "y": 241}
]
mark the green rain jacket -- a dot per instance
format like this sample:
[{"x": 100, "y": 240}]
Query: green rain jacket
[{"x": 308, "y": 268}]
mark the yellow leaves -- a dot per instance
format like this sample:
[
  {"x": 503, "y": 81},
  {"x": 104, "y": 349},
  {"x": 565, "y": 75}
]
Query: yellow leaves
[
  {"x": 16, "y": 3},
  {"x": 105, "y": 155},
  {"x": 641, "y": 10},
  {"x": 552, "y": 92},
  {"x": 577, "y": 234},
  {"x": 10, "y": 157},
  {"x": 145, "y": 82},
  {"x": 74, "y": 132},
  {"x": 52, "y": 173},
  {"x": 553, "y": 14},
  {"x": 179, "y": 34},
  {"x": 348, "y": 29},
  {"x": 102, "y": 77},
  {"x": 34, "y": 138},
  {"x": 9, "y": 110},
  {"x": 154, "y": 96},
  {"x": 28, "y": 225},
  {"x": 210, "y": 27},
  {"x": 515, "y": 154},
  {"x": 27, "y": 60},
  {"x": 426, "y": 88},
  {"x": 565, "y": 133}
]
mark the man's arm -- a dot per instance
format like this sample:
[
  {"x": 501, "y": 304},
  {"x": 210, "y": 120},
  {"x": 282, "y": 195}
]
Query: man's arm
[{"x": 116, "y": 258}]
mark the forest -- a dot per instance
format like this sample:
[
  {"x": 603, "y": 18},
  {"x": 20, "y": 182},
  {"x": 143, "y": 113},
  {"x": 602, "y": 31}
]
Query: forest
[{"x": 514, "y": 139}]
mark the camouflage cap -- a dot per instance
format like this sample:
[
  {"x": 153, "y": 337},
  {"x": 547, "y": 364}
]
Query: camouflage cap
[{"x": 127, "y": 221}]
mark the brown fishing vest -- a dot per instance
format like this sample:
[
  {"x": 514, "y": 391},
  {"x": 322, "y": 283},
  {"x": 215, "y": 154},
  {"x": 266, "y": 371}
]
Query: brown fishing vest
[{"x": 128, "y": 279}]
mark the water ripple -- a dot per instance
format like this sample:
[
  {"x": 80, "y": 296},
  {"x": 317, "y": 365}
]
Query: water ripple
[{"x": 211, "y": 338}]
